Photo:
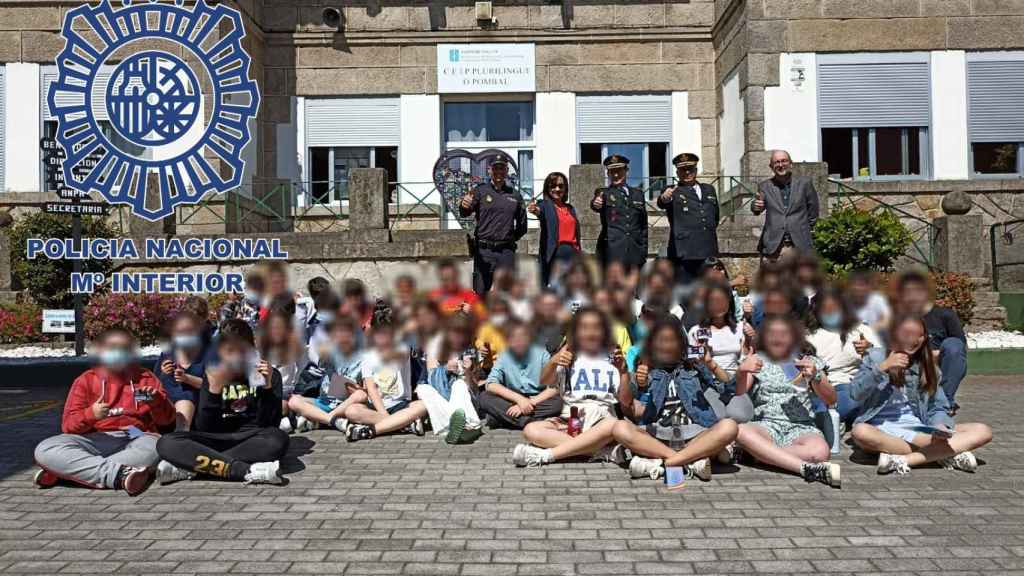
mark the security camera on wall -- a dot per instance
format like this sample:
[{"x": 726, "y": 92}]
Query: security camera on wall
[{"x": 331, "y": 17}]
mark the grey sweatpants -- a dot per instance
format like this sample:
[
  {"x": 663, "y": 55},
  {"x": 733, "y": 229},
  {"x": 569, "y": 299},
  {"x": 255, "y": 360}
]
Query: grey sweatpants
[
  {"x": 94, "y": 459},
  {"x": 739, "y": 408}
]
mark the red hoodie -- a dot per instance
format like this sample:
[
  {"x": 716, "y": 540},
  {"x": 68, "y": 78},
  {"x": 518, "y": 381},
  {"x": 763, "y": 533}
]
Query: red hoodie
[{"x": 119, "y": 391}]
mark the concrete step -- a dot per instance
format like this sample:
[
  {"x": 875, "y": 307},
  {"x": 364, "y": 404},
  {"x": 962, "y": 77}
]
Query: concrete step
[{"x": 988, "y": 318}]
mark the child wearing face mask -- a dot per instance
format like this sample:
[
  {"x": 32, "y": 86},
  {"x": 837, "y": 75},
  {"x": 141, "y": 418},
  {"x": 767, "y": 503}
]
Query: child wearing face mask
[
  {"x": 110, "y": 423},
  {"x": 235, "y": 435},
  {"x": 182, "y": 366},
  {"x": 905, "y": 413},
  {"x": 330, "y": 385},
  {"x": 490, "y": 337},
  {"x": 452, "y": 387},
  {"x": 782, "y": 381},
  {"x": 279, "y": 345},
  {"x": 841, "y": 341}
]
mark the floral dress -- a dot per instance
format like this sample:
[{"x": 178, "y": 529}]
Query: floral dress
[{"x": 780, "y": 407}]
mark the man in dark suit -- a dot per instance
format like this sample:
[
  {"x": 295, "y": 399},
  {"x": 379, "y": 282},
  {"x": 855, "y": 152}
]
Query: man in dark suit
[
  {"x": 692, "y": 209},
  {"x": 500, "y": 223},
  {"x": 791, "y": 203},
  {"x": 623, "y": 212}
]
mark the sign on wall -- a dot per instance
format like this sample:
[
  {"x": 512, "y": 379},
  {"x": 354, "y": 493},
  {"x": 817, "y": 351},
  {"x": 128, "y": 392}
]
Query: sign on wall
[
  {"x": 482, "y": 68},
  {"x": 58, "y": 321}
]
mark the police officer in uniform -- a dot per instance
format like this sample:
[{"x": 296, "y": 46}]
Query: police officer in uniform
[
  {"x": 692, "y": 209},
  {"x": 500, "y": 223},
  {"x": 623, "y": 212}
]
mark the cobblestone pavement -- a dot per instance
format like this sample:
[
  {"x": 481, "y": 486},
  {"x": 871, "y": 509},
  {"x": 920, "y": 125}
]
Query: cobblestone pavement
[{"x": 413, "y": 505}]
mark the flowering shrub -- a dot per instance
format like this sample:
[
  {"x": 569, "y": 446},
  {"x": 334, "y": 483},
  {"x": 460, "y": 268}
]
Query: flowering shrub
[
  {"x": 852, "y": 239},
  {"x": 21, "y": 324},
  {"x": 144, "y": 314},
  {"x": 956, "y": 291}
]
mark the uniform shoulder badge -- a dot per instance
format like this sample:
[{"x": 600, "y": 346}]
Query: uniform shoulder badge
[{"x": 488, "y": 198}]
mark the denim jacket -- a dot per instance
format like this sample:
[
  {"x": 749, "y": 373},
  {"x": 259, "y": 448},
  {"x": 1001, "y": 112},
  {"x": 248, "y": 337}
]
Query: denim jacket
[
  {"x": 870, "y": 387},
  {"x": 690, "y": 385},
  {"x": 441, "y": 379}
]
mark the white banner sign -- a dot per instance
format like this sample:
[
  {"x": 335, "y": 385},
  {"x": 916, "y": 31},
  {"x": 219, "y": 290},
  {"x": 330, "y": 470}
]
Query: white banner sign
[
  {"x": 58, "y": 321},
  {"x": 475, "y": 68}
]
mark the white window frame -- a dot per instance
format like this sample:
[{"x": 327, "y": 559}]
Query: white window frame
[{"x": 971, "y": 174}]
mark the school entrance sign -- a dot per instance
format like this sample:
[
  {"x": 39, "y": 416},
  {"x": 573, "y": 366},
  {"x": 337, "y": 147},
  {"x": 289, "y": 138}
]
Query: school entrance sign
[{"x": 125, "y": 115}]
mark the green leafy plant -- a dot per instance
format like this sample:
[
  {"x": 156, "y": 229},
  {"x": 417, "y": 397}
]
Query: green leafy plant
[
  {"x": 48, "y": 282},
  {"x": 852, "y": 239},
  {"x": 955, "y": 290}
]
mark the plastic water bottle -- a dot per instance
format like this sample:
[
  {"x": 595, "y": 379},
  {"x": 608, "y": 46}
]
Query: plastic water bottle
[
  {"x": 575, "y": 421},
  {"x": 256, "y": 380},
  {"x": 833, "y": 415}
]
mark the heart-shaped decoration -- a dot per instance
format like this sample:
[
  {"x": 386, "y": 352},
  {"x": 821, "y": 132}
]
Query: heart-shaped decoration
[{"x": 458, "y": 171}]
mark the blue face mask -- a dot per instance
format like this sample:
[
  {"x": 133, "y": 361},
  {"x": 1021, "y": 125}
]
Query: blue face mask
[
  {"x": 253, "y": 298},
  {"x": 831, "y": 320},
  {"x": 187, "y": 341},
  {"x": 325, "y": 316},
  {"x": 116, "y": 359}
]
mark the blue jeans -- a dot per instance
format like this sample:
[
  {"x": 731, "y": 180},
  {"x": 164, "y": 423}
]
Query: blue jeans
[
  {"x": 847, "y": 407},
  {"x": 953, "y": 364}
]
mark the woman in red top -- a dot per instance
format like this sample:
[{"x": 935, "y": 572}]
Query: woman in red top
[{"x": 559, "y": 226}]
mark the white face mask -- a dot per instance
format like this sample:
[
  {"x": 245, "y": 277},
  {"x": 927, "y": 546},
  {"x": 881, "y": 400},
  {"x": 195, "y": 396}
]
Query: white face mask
[{"x": 499, "y": 319}]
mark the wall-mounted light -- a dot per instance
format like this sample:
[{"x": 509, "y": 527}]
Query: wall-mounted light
[
  {"x": 331, "y": 17},
  {"x": 485, "y": 13}
]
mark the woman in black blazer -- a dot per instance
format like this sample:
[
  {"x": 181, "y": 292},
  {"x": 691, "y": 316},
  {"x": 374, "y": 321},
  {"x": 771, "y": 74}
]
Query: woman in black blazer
[{"x": 559, "y": 226}]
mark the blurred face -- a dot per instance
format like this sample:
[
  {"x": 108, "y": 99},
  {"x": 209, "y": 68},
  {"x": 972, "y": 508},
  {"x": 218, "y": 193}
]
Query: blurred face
[
  {"x": 449, "y": 278},
  {"x": 499, "y": 312},
  {"x": 116, "y": 352},
  {"x": 233, "y": 355},
  {"x": 717, "y": 304},
  {"x": 185, "y": 333},
  {"x": 666, "y": 347},
  {"x": 603, "y": 300},
  {"x": 456, "y": 339},
  {"x": 383, "y": 338},
  {"x": 547, "y": 307},
  {"x": 715, "y": 273},
  {"x": 499, "y": 172},
  {"x": 781, "y": 164},
  {"x": 278, "y": 329},
  {"x": 576, "y": 279},
  {"x": 617, "y": 176},
  {"x": 830, "y": 314},
  {"x": 687, "y": 174},
  {"x": 590, "y": 336},
  {"x": 859, "y": 290},
  {"x": 405, "y": 286},
  {"x": 519, "y": 341},
  {"x": 665, "y": 267},
  {"x": 344, "y": 339},
  {"x": 656, "y": 285},
  {"x": 776, "y": 303},
  {"x": 778, "y": 340},
  {"x": 426, "y": 320},
  {"x": 558, "y": 189},
  {"x": 769, "y": 281},
  {"x": 805, "y": 274},
  {"x": 277, "y": 283},
  {"x": 908, "y": 336},
  {"x": 914, "y": 297}
]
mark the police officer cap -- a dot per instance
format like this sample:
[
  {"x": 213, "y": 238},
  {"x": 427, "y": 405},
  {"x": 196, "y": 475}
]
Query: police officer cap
[
  {"x": 616, "y": 161},
  {"x": 499, "y": 160},
  {"x": 685, "y": 160}
]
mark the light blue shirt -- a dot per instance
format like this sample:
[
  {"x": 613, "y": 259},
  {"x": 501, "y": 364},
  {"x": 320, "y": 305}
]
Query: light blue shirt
[{"x": 520, "y": 374}]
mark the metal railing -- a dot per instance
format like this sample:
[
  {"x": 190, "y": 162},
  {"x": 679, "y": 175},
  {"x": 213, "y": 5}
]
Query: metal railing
[
  {"x": 1006, "y": 235},
  {"x": 924, "y": 234}
]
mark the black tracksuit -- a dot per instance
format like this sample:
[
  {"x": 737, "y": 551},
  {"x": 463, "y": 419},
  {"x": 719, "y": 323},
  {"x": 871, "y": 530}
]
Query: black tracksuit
[{"x": 231, "y": 430}]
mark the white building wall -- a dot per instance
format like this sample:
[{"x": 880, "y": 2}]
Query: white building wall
[
  {"x": 730, "y": 126},
  {"x": 22, "y": 128},
  {"x": 685, "y": 131},
  {"x": 791, "y": 109},
  {"x": 949, "y": 115},
  {"x": 419, "y": 144},
  {"x": 289, "y": 161},
  {"x": 554, "y": 134}
]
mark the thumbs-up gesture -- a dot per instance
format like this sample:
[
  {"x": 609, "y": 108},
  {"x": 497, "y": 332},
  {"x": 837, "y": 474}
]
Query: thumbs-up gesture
[
  {"x": 759, "y": 202},
  {"x": 752, "y": 364},
  {"x": 467, "y": 201},
  {"x": 598, "y": 202},
  {"x": 563, "y": 357},
  {"x": 861, "y": 344},
  {"x": 532, "y": 208},
  {"x": 898, "y": 360},
  {"x": 666, "y": 195},
  {"x": 642, "y": 376}
]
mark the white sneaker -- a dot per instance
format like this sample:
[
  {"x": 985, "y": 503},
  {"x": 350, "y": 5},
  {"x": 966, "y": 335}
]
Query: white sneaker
[
  {"x": 892, "y": 463},
  {"x": 639, "y": 467},
  {"x": 285, "y": 425},
  {"x": 264, "y": 473},
  {"x": 615, "y": 453},
  {"x": 527, "y": 455},
  {"x": 965, "y": 461},
  {"x": 302, "y": 424},
  {"x": 701, "y": 469},
  {"x": 167, "y": 473},
  {"x": 726, "y": 455}
]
